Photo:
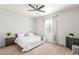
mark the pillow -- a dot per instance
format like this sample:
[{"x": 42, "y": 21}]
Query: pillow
[
  {"x": 20, "y": 34},
  {"x": 26, "y": 34},
  {"x": 30, "y": 34}
]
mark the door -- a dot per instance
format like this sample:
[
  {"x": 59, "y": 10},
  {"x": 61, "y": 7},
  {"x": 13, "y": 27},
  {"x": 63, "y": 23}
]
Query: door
[{"x": 50, "y": 29}]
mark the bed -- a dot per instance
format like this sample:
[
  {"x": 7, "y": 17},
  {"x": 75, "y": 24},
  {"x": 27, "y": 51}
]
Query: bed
[{"x": 29, "y": 42}]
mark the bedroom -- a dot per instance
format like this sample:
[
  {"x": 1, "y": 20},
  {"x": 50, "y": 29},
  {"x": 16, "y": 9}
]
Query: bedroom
[{"x": 53, "y": 25}]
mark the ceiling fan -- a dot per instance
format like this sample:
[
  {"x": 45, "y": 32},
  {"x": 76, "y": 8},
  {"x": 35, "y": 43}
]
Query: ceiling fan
[{"x": 36, "y": 7}]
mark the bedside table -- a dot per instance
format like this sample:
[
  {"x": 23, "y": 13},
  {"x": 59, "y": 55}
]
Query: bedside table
[
  {"x": 71, "y": 41},
  {"x": 9, "y": 41}
]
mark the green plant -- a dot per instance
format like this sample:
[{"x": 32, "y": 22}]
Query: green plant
[
  {"x": 71, "y": 34},
  {"x": 8, "y": 35}
]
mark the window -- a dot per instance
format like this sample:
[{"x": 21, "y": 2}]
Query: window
[{"x": 50, "y": 29}]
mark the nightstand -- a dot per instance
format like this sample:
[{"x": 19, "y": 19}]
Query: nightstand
[
  {"x": 71, "y": 41},
  {"x": 9, "y": 41}
]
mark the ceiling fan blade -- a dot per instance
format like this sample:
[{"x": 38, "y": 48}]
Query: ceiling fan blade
[
  {"x": 31, "y": 10},
  {"x": 32, "y": 6},
  {"x": 41, "y": 10},
  {"x": 41, "y": 7}
]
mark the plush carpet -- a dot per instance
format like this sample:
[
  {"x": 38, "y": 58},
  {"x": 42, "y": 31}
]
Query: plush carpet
[{"x": 44, "y": 49}]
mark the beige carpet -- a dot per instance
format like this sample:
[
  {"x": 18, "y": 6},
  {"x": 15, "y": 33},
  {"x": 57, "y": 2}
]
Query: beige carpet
[{"x": 44, "y": 49}]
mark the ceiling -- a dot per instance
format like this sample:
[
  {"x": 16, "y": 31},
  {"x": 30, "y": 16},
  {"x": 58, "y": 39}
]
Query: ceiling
[{"x": 23, "y": 9}]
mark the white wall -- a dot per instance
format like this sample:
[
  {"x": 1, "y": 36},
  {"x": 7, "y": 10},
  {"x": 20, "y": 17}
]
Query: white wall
[
  {"x": 12, "y": 22},
  {"x": 68, "y": 21},
  {"x": 39, "y": 26}
]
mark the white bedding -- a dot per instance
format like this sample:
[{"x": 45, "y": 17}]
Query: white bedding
[{"x": 29, "y": 42}]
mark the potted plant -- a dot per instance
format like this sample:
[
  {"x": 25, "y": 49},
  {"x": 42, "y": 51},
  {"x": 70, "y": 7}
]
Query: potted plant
[
  {"x": 72, "y": 35},
  {"x": 8, "y": 35}
]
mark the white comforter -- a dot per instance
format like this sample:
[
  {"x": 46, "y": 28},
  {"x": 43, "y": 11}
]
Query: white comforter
[{"x": 28, "y": 42}]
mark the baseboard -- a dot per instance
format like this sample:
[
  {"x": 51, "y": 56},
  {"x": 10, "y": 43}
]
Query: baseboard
[{"x": 56, "y": 44}]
